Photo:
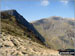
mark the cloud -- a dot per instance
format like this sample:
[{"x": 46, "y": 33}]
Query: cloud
[
  {"x": 64, "y": 1},
  {"x": 45, "y": 2}
]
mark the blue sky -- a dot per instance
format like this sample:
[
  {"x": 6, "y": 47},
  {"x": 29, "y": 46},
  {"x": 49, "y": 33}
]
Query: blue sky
[{"x": 33, "y": 10}]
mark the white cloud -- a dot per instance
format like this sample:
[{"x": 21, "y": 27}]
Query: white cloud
[
  {"x": 45, "y": 2},
  {"x": 64, "y": 1}
]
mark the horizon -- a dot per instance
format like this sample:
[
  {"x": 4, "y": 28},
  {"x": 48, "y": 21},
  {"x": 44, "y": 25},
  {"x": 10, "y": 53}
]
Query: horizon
[{"x": 36, "y": 10}]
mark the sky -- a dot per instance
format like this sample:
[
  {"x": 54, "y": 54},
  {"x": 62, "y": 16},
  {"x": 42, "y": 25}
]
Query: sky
[{"x": 33, "y": 10}]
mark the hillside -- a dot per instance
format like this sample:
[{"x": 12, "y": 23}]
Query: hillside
[
  {"x": 19, "y": 38},
  {"x": 17, "y": 46},
  {"x": 57, "y": 31},
  {"x": 13, "y": 23}
]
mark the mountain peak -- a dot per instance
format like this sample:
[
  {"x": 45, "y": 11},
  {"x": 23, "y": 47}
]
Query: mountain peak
[
  {"x": 13, "y": 10},
  {"x": 56, "y": 17}
]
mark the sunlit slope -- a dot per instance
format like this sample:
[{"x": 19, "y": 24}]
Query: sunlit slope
[{"x": 57, "y": 31}]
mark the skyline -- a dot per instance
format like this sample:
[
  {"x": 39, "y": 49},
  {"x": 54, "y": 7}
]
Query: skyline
[{"x": 35, "y": 10}]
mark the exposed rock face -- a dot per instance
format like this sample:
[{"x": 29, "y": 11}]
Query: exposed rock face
[
  {"x": 57, "y": 31},
  {"x": 16, "y": 46}
]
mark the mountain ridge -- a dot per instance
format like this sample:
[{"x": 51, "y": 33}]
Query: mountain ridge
[
  {"x": 53, "y": 18},
  {"x": 20, "y": 19},
  {"x": 56, "y": 29}
]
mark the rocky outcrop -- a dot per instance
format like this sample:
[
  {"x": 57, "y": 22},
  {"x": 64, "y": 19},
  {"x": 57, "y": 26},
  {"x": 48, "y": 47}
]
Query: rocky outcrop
[{"x": 16, "y": 46}]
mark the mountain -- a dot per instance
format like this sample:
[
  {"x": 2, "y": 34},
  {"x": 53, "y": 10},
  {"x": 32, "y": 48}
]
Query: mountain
[
  {"x": 18, "y": 37},
  {"x": 58, "y": 32},
  {"x": 17, "y": 21}
]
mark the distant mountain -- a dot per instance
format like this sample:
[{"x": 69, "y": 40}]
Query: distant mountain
[{"x": 57, "y": 31}]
